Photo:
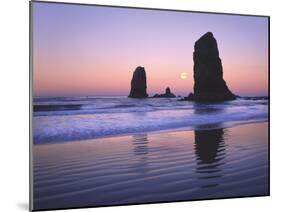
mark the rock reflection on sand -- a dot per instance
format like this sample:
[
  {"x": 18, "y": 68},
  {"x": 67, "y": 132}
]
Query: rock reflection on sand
[
  {"x": 142, "y": 168},
  {"x": 140, "y": 142},
  {"x": 210, "y": 152}
]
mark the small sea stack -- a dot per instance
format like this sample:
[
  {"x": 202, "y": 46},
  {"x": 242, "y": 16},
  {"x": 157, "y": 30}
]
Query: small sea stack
[
  {"x": 138, "y": 84},
  {"x": 209, "y": 85},
  {"x": 167, "y": 94}
]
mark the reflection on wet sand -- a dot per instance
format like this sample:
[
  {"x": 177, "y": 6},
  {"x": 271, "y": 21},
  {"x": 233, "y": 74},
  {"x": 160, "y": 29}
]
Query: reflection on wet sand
[
  {"x": 140, "y": 142},
  {"x": 164, "y": 166},
  {"x": 210, "y": 155}
]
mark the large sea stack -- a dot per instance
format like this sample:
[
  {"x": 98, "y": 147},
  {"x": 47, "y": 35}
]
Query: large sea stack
[
  {"x": 209, "y": 85},
  {"x": 138, "y": 84}
]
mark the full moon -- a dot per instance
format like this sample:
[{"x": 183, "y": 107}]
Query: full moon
[{"x": 183, "y": 76}]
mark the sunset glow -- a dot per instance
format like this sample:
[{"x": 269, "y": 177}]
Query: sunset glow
[{"x": 90, "y": 50}]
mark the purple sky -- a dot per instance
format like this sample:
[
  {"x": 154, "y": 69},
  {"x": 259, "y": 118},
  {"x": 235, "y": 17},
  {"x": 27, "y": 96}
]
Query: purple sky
[{"x": 89, "y": 50}]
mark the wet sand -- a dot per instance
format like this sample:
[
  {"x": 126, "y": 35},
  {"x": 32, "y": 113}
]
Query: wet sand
[{"x": 153, "y": 167}]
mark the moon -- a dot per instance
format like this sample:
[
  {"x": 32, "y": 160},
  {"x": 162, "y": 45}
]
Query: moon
[{"x": 183, "y": 76}]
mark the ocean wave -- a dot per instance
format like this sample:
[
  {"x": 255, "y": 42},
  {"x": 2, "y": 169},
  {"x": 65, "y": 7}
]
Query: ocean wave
[
  {"x": 128, "y": 119},
  {"x": 63, "y": 107},
  {"x": 56, "y": 107}
]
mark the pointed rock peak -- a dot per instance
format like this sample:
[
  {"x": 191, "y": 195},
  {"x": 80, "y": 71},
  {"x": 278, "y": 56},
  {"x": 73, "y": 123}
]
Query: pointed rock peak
[
  {"x": 208, "y": 35},
  {"x": 206, "y": 40},
  {"x": 139, "y": 68}
]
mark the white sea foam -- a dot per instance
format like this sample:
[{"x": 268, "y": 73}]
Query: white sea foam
[{"x": 59, "y": 121}]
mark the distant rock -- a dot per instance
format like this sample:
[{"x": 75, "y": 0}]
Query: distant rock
[
  {"x": 255, "y": 97},
  {"x": 189, "y": 97},
  {"x": 167, "y": 94},
  {"x": 138, "y": 84},
  {"x": 208, "y": 72}
]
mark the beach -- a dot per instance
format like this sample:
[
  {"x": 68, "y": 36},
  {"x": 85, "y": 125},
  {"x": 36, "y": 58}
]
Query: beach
[
  {"x": 157, "y": 166},
  {"x": 140, "y": 106}
]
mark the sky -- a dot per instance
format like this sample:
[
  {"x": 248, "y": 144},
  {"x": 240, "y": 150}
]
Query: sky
[{"x": 93, "y": 51}]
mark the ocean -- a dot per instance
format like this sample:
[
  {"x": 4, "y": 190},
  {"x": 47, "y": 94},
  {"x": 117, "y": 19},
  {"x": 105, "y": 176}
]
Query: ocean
[
  {"x": 100, "y": 151},
  {"x": 61, "y": 119}
]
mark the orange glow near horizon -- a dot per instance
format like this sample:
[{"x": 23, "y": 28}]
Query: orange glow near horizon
[
  {"x": 94, "y": 51},
  {"x": 88, "y": 81}
]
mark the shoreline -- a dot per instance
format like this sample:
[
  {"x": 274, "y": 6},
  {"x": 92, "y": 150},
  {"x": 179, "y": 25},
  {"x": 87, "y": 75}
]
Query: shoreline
[
  {"x": 118, "y": 117},
  {"x": 171, "y": 130}
]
